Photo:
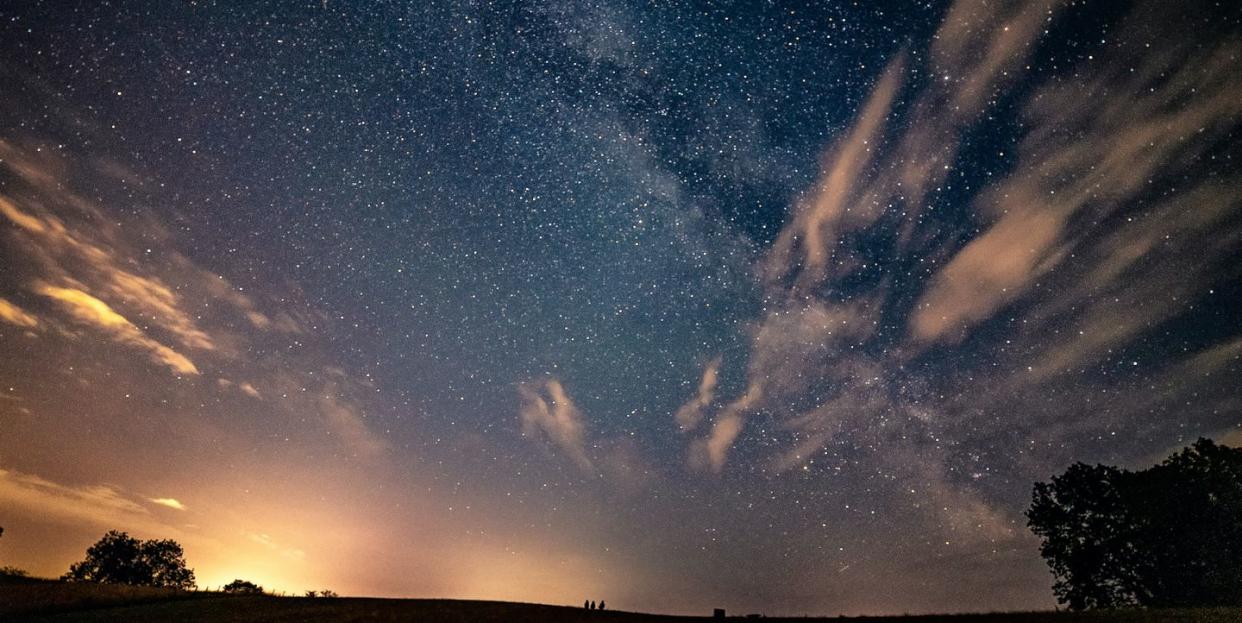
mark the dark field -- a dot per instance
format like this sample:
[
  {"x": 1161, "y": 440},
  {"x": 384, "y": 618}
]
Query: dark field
[{"x": 42, "y": 600}]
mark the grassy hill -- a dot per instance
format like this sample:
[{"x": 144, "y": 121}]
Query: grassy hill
[{"x": 26, "y": 599}]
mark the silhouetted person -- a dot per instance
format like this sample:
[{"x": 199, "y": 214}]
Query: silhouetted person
[
  {"x": 586, "y": 605},
  {"x": 592, "y": 604},
  {"x": 601, "y": 604}
]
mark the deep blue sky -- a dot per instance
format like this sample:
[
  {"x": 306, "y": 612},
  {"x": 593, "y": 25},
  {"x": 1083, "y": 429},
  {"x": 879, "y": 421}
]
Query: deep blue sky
[{"x": 757, "y": 305}]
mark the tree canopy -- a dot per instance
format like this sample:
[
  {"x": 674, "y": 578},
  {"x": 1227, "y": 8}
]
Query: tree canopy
[
  {"x": 118, "y": 558},
  {"x": 1169, "y": 535},
  {"x": 244, "y": 587}
]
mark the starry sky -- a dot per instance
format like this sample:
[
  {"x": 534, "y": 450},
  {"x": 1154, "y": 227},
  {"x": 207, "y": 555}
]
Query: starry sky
[{"x": 773, "y": 306}]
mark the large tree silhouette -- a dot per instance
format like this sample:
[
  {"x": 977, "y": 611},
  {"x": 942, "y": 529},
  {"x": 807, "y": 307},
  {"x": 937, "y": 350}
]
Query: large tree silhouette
[
  {"x": 121, "y": 559},
  {"x": 1169, "y": 535}
]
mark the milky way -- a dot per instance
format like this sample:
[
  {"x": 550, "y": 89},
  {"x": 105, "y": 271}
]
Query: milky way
[{"x": 760, "y": 306}]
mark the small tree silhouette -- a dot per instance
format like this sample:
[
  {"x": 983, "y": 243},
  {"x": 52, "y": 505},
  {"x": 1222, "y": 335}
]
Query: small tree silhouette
[
  {"x": 118, "y": 558},
  {"x": 243, "y": 587}
]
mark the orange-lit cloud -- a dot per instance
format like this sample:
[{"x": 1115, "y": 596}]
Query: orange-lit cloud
[
  {"x": 65, "y": 255},
  {"x": 98, "y": 505},
  {"x": 691, "y": 413},
  {"x": 347, "y": 421},
  {"x": 96, "y": 313},
  {"x": 830, "y": 210},
  {"x": 100, "y": 276},
  {"x": 978, "y": 50},
  {"x": 244, "y": 387},
  {"x": 792, "y": 350},
  {"x": 19, "y": 218},
  {"x": 169, "y": 502},
  {"x": 1088, "y": 157},
  {"x": 160, "y": 304},
  {"x": 547, "y": 410},
  {"x": 808, "y": 341},
  {"x": 267, "y": 542},
  {"x": 711, "y": 451},
  {"x": 13, "y": 314},
  {"x": 1085, "y": 157}
]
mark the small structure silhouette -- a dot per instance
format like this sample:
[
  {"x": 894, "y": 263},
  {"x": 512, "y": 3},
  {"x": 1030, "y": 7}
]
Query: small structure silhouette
[
  {"x": 586, "y": 604},
  {"x": 718, "y": 613}
]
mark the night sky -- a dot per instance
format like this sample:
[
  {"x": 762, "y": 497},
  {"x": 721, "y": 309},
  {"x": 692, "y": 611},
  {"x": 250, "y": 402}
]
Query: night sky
[{"x": 754, "y": 305}]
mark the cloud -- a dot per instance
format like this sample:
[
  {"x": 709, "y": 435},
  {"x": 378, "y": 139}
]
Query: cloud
[
  {"x": 829, "y": 210},
  {"x": 797, "y": 353},
  {"x": 992, "y": 270},
  {"x": 1093, "y": 150},
  {"x": 244, "y": 387},
  {"x": 175, "y": 312},
  {"x": 158, "y": 302},
  {"x": 65, "y": 237},
  {"x": 1094, "y": 147},
  {"x": 711, "y": 451},
  {"x": 19, "y": 218},
  {"x": 807, "y": 351},
  {"x": 94, "y": 504},
  {"x": 60, "y": 254},
  {"x": 13, "y": 314},
  {"x": 267, "y": 542},
  {"x": 547, "y": 409},
  {"x": 348, "y": 422},
  {"x": 91, "y": 311},
  {"x": 691, "y": 413},
  {"x": 169, "y": 502},
  {"x": 1229, "y": 437},
  {"x": 977, "y": 50}
]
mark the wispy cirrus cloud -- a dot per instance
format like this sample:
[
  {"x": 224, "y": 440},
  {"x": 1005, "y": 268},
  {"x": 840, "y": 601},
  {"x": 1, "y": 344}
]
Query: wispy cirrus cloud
[
  {"x": 66, "y": 256},
  {"x": 101, "y": 281},
  {"x": 690, "y": 414},
  {"x": 266, "y": 541},
  {"x": 95, "y": 504},
  {"x": 172, "y": 503},
  {"x": 15, "y": 315},
  {"x": 244, "y": 387},
  {"x": 1079, "y": 211},
  {"x": 547, "y": 411},
  {"x": 832, "y": 208},
  {"x": 1093, "y": 149},
  {"x": 348, "y": 421},
  {"x": 88, "y": 310}
]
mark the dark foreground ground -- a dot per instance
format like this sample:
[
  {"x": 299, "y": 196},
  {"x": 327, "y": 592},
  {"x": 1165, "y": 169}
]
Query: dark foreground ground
[{"x": 41, "y": 600}]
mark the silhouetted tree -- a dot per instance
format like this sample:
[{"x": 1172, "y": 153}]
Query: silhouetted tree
[
  {"x": 118, "y": 558},
  {"x": 246, "y": 587},
  {"x": 1169, "y": 535}
]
